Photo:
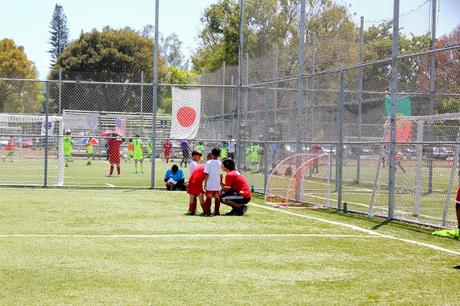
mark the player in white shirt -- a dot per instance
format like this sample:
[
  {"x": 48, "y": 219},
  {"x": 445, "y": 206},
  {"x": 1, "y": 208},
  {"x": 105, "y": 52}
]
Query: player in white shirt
[
  {"x": 231, "y": 147},
  {"x": 196, "y": 157},
  {"x": 212, "y": 183}
]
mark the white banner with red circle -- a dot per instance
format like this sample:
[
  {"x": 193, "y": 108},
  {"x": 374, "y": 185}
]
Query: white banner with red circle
[{"x": 186, "y": 113}]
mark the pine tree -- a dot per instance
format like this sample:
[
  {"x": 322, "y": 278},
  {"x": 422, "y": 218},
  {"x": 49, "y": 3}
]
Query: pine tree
[{"x": 59, "y": 33}]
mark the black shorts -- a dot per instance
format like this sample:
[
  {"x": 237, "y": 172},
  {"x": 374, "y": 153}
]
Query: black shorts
[{"x": 234, "y": 197}]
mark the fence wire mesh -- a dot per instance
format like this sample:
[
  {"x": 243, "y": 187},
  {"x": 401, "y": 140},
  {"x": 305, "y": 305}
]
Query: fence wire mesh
[{"x": 332, "y": 100}]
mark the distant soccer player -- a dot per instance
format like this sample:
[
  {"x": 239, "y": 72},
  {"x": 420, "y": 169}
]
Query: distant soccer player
[
  {"x": 174, "y": 179},
  {"x": 114, "y": 144},
  {"x": 195, "y": 187},
  {"x": 185, "y": 152},
  {"x": 150, "y": 150},
  {"x": 89, "y": 151},
  {"x": 196, "y": 157},
  {"x": 231, "y": 145},
  {"x": 68, "y": 146},
  {"x": 212, "y": 184},
  {"x": 235, "y": 192},
  {"x": 137, "y": 153},
  {"x": 130, "y": 155},
  {"x": 9, "y": 149},
  {"x": 200, "y": 148},
  {"x": 167, "y": 146},
  {"x": 223, "y": 150}
]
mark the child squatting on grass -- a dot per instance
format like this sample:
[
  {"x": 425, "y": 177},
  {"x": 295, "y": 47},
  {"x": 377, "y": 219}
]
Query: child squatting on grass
[{"x": 235, "y": 192}]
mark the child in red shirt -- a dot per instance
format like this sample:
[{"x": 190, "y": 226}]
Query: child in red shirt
[
  {"x": 236, "y": 191},
  {"x": 195, "y": 187},
  {"x": 114, "y": 144},
  {"x": 167, "y": 150}
]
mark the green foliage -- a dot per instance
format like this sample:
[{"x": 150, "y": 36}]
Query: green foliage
[
  {"x": 18, "y": 97},
  {"x": 59, "y": 33},
  {"x": 219, "y": 37},
  {"x": 108, "y": 56}
]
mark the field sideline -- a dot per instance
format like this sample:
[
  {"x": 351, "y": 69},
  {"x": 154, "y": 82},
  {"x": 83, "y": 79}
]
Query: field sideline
[{"x": 136, "y": 247}]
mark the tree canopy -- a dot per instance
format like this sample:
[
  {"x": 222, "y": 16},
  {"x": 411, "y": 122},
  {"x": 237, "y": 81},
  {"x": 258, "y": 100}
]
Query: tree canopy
[
  {"x": 59, "y": 31},
  {"x": 15, "y": 96}
]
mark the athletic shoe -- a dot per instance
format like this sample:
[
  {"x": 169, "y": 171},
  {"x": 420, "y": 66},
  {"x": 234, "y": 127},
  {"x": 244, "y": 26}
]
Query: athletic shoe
[
  {"x": 216, "y": 214},
  {"x": 242, "y": 210},
  {"x": 231, "y": 213},
  {"x": 206, "y": 214},
  {"x": 190, "y": 213}
]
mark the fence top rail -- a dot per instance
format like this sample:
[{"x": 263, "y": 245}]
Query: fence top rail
[{"x": 355, "y": 66}]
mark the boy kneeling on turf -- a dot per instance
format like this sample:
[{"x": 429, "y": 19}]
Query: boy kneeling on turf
[{"x": 235, "y": 192}]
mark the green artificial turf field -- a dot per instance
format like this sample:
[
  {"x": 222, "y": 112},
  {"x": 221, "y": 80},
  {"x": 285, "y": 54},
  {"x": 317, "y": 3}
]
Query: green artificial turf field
[{"x": 64, "y": 246}]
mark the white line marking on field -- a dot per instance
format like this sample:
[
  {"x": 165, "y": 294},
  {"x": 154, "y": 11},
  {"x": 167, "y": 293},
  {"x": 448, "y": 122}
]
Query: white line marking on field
[
  {"x": 361, "y": 229},
  {"x": 110, "y": 185},
  {"x": 186, "y": 236}
]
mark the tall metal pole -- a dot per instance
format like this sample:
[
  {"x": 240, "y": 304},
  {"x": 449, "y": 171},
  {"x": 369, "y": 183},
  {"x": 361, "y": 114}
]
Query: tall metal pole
[
  {"x": 275, "y": 77},
  {"x": 339, "y": 162},
  {"x": 240, "y": 85},
  {"x": 300, "y": 93},
  {"x": 60, "y": 93},
  {"x": 222, "y": 107},
  {"x": 432, "y": 89},
  {"x": 266, "y": 127},
  {"x": 45, "y": 178},
  {"x": 142, "y": 102},
  {"x": 312, "y": 97},
  {"x": 360, "y": 99},
  {"x": 393, "y": 89},
  {"x": 155, "y": 93},
  {"x": 300, "y": 87}
]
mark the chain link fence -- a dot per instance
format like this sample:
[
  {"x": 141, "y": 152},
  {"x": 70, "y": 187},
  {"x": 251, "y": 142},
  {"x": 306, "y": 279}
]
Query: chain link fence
[{"x": 332, "y": 100}]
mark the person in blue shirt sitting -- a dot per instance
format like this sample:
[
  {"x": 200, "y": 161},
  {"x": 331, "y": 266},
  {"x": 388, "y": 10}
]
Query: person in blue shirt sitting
[{"x": 174, "y": 179}]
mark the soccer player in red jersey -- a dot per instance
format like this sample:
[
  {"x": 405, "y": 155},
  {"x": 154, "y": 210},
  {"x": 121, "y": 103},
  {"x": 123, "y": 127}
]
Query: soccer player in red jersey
[
  {"x": 195, "y": 187},
  {"x": 235, "y": 192},
  {"x": 167, "y": 150},
  {"x": 114, "y": 144}
]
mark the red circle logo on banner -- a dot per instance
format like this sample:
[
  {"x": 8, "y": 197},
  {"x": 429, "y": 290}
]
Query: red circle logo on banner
[{"x": 186, "y": 116}]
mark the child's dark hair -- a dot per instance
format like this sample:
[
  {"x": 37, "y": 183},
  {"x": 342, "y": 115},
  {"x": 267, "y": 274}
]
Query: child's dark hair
[
  {"x": 175, "y": 168},
  {"x": 130, "y": 140},
  {"x": 196, "y": 153},
  {"x": 229, "y": 164},
  {"x": 215, "y": 152},
  {"x": 137, "y": 136}
]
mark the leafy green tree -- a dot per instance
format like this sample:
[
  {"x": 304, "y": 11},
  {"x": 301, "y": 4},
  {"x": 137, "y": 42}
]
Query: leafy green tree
[
  {"x": 18, "y": 96},
  {"x": 106, "y": 56},
  {"x": 219, "y": 37},
  {"x": 59, "y": 31}
]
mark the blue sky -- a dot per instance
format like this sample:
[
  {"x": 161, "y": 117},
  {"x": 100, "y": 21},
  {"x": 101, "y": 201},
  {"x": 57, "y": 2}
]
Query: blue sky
[{"x": 27, "y": 21}]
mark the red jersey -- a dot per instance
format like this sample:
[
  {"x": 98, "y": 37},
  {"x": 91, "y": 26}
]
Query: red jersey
[
  {"x": 457, "y": 199},
  {"x": 10, "y": 145},
  {"x": 236, "y": 182},
  {"x": 195, "y": 183},
  {"x": 114, "y": 150},
  {"x": 167, "y": 146}
]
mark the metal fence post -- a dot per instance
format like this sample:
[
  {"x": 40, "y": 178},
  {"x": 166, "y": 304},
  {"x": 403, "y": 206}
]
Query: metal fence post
[
  {"x": 393, "y": 89},
  {"x": 60, "y": 93},
  {"x": 155, "y": 94},
  {"x": 339, "y": 162},
  {"x": 142, "y": 102},
  {"x": 240, "y": 85},
  {"x": 45, "y": 179},
  {"x": 266, "y": 126},
  {"x": 222, "y": 107},
  {"x": 275, "y": 77},
  {"x": 432, "y": 89},
  {"x": 300, "y": 94},
  {"x": 360, "y": 99}
]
